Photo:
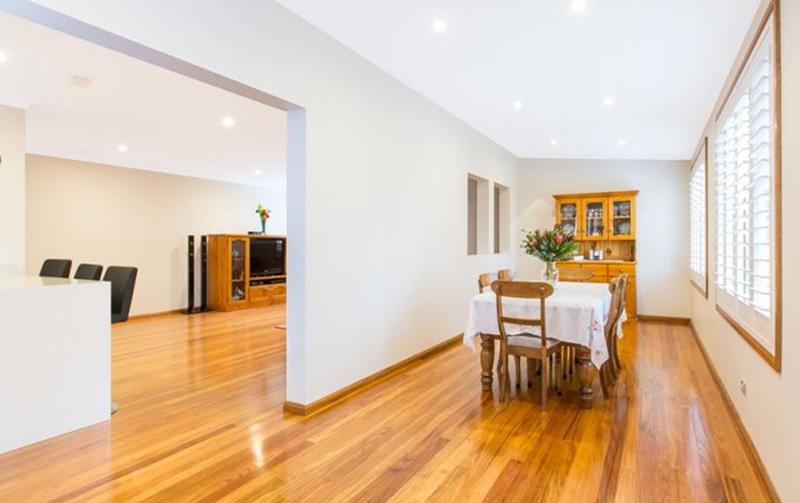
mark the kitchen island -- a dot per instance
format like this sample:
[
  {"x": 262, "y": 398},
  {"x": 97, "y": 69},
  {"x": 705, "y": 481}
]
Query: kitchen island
[{"x": 55, "y": 357}]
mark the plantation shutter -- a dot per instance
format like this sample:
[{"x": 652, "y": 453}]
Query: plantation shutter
[
  {"x": 697, "y": 220},
  {"x": 745, "y": 189}
]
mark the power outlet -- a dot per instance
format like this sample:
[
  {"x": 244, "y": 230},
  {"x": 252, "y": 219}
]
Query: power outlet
[{"x": 743, "y": 386}]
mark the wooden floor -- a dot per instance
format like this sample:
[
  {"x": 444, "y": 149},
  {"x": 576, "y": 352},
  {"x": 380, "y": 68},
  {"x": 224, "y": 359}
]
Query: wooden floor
[{"x": 201, "y": 421}]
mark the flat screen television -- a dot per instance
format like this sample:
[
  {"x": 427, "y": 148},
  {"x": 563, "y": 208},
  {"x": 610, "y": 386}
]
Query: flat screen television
[{"x": 267, "y": 257}]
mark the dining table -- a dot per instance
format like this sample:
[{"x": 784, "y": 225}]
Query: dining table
[{"x": 575, "y": 314}]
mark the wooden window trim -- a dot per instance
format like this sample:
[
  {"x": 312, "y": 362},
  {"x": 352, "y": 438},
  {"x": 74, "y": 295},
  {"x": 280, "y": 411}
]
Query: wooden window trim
[
  {"x": 773, "y": 359},
  {"x": 703, "y": 149}
]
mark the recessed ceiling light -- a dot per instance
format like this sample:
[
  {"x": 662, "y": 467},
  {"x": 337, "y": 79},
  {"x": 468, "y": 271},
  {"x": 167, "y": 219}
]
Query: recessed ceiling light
[
  {"x": 440, "y": 26},
  {"x": 608, "y": 101},
  {"x": 122, "y": 148},
  {"x": 3, "y": 57},
  {"x": 554, "y": 142},
  {"x": 579, "y": 6},
  {"x": 257, "y": 172},
  {"x": 228, "y": 122},
  {"x": 622, "y": 143},
  {"x": 80, "y": 81},
  {"x": 517, "y": 105}
]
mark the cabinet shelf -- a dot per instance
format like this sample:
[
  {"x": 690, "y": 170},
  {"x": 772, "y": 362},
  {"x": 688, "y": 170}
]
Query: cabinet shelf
[{"x": 604, "y": 222}]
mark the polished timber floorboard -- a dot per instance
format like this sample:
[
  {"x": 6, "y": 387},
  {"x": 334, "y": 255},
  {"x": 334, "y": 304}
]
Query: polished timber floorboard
[{"x": 202, "y": 421}]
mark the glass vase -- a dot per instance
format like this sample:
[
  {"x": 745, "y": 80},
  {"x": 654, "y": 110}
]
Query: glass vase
[
  {"x": 263, "y": 226},
  {"x": 550, "y": 273}
]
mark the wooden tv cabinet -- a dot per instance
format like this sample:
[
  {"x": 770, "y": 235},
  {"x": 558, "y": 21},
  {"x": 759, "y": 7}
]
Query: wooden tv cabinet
[{"x": 230, "y": 285}]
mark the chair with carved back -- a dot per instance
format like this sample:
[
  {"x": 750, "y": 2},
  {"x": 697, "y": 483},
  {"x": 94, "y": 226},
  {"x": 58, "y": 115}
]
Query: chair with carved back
[
  {"x": 572, "y": 275},
  {"x": 508, "y": 275},
  {"x": 532, "y": 345},
  {"x": 624, "y": 279},
  {"x": 575, "y": 275},
  {"x": 608, "y": 371},
  {"x": 505, "y": 275},
  {"x": 484, "y": 281}
]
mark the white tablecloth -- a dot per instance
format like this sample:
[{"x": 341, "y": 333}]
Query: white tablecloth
[{"x": 576, "y": 313}]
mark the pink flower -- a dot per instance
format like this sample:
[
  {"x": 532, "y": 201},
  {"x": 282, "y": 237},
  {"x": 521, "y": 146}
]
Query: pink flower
[
  {"x": 532, "y": 243},
  {"x": 559, "y": 239}
]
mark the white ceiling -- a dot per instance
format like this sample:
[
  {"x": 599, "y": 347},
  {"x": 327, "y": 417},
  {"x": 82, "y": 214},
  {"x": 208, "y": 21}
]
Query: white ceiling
[
  {"x": 663, "y": 61},
  {"x": 170, "y": 123}
]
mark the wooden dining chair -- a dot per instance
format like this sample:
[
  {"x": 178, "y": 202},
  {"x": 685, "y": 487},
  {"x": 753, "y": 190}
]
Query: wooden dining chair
[
  {"x": 624, "y": 279},
  {"x": 532, "y": 346},
  {"x": 508, "y": 275},
  {"x": 608, "y": 371},
  {"x": 484, "y": 281},
  {"x": 575, "y": 275},
  {"x": 505, "y": 275}
]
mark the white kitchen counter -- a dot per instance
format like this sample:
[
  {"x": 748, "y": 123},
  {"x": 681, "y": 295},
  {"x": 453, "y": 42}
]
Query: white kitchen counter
[{"x": 55, "y": 357}]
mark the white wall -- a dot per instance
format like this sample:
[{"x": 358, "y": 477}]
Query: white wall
[
  {"x": 118, "y": 216},
  {"x": 661, "y": 219},
  {"x": 378, "y": 268},
  {"x": 771, "y": 409},
  {"x": 12, "y": 189}
]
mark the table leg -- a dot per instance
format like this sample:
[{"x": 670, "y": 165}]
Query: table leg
[
  {"x": 487, "y": 358},
  {"x": 585, "y": 376}
]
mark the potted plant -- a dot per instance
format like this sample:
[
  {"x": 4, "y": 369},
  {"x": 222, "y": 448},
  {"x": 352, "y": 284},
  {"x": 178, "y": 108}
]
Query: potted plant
[{"x": 550, "y": 246}]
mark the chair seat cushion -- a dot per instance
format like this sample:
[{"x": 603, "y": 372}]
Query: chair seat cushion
[{"x": 530, "y": 341}]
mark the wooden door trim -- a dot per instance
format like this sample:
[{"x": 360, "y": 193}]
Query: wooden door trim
[{"x": 702, "y": 149}]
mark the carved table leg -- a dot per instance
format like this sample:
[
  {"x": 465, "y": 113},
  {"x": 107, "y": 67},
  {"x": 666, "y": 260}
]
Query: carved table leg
[
  {"x": 585, "y": 376},
  {"x": 487, "y": 358}
]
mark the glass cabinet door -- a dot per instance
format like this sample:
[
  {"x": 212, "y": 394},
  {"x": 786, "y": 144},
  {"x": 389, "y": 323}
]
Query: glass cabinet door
[
  {"x": 623, "y": 218},
  {"x": 238, "y": 269},
  {"x": 594, "y": 219},
  {"x": 567, "y": 218}
]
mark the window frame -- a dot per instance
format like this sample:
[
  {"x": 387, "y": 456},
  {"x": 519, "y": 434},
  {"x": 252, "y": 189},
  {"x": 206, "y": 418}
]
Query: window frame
[
  {"x": 701, "y": 286},
  {"x": 772, "y": 357}
]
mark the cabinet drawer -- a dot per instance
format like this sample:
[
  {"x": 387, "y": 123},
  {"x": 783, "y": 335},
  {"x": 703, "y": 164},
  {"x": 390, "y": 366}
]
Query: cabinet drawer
[
  {"x": 267, "y": 292},
  {"x": 598, "y": 279},
  {"x": 599, "y": 269},
  {"x": 568, "y": 265},
  {"x": 615, "y": 270}
]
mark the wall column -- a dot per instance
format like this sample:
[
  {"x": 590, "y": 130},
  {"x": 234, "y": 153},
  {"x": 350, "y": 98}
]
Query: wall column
[{"x": 12, "y": 190}]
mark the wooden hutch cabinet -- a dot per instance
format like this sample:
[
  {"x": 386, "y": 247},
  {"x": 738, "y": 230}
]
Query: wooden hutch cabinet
[
  {"x": 233, "y": 283},
  {"x": 604, "y": 223}
]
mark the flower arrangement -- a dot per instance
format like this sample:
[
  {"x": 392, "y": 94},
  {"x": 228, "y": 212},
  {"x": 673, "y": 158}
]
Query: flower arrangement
[
  {"x": 263, "y": 213},
  {"x": 550, "y": 246}
]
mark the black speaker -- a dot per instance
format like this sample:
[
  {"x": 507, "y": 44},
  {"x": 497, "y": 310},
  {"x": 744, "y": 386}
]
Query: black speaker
[
  {"x": 203, "y": 273},
  {"x": 190, "y": 307}
]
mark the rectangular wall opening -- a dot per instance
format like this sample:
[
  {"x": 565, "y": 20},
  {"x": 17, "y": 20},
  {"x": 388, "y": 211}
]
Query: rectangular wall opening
[
  {"x": 502, "y": 223},
  {"x": 477, "y": 215}
]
